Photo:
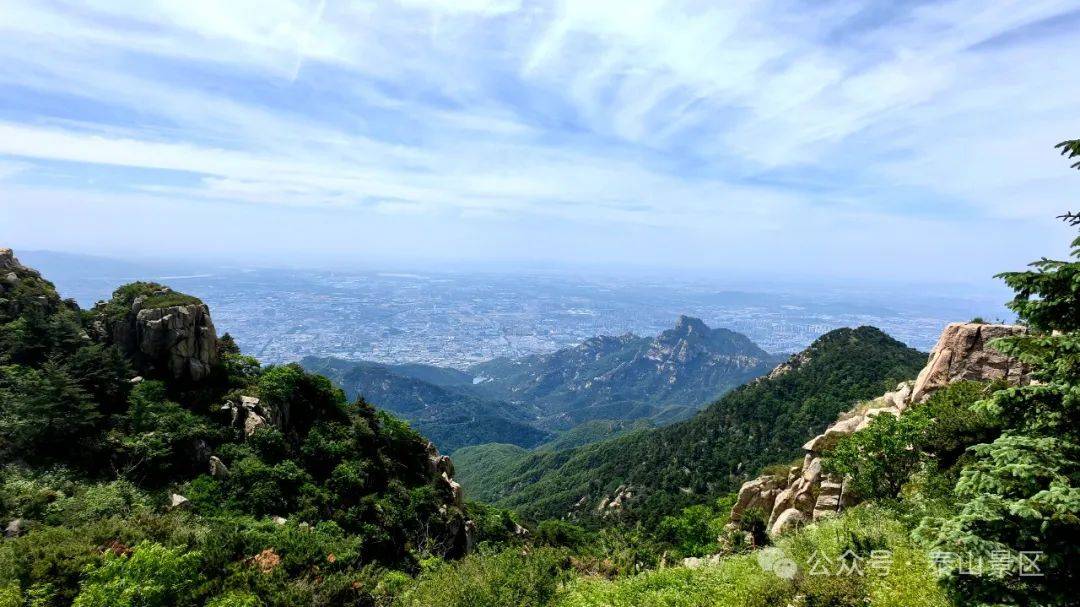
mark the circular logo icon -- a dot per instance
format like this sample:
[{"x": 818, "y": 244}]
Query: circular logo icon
[{"x": 775, "y": 560}]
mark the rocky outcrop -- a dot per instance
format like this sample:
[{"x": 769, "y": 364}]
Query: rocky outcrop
[
  {"x": 807, "y": 493},
  {"x": 791, "y": 518},
  {"x": 251, "y": 414},
  {"x": 22, "y": 288},
  {"x": 9, "y": 265},
  {"x": 962, "y": 353},
  {"x": 218, "y": 469},
  {"x": 179, "y": 340},
  {"x": 442, "y": 467}
]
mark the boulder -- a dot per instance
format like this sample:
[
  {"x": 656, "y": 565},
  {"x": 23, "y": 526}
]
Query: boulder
[
  {"x": 16, "y": 527},
  {"x": 829, "y": 500},
  {"x": 789, "y": 519},
  {"x": 177, "y": 341},
  {"x": 784, "y": 500},
  {"x": 963, "y": 352},
  {"x": 833, "y": 433},
  {"x": 177, "y": 501},
  {"x": 218, "y": 468},
  {"x": 252, "y": 414},
  {"x": 759, "y": 493}
]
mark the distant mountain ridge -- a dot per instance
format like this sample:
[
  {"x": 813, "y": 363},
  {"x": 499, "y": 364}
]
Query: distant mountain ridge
[
  {"x": 664, "y": 378},
  {"x": 448, "y": 415},
  {"x": 523, "y": 401},
  {"x": 647, "y": 474}
]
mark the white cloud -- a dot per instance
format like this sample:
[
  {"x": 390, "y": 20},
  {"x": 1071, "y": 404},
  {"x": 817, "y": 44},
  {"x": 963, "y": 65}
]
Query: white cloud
[{"x": 651, "y": 115}]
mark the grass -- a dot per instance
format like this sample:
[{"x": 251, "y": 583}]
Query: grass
[{"x": 741, "y": 581}]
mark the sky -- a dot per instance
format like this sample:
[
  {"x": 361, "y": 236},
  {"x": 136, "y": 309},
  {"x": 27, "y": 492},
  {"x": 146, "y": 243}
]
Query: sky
[{"x": 855, "y": 139}]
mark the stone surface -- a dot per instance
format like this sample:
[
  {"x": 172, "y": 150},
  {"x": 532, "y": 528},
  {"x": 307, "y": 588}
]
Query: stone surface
[
  {"x": 177, "y": 501},
  {"x": 218, "y": 468},
  {"x": 788, "y": 520},
  {"x": 16, "y": 527},
  {"x": 963, "y": 353},
  {"x": 759, "y": 493},
  {"x": 178, "y": 341}
]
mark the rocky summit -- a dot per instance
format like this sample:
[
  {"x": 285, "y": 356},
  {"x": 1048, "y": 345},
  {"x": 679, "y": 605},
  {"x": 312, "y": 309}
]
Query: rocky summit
[
  {"x": 667, "y": 377},
  {"x": 161, "y": 330}
]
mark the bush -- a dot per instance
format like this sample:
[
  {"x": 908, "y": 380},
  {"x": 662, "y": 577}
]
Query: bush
[
  {"x": 511, "y": 577},
  {"x": 560, "y": 533},
  {"x": 736, "y": 582},
  {"x": 151, "y": 576},
  {"x": 882, "y": 457}
]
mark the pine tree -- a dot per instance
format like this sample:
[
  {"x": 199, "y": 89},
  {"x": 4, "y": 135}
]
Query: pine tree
[{"x": 1019, "y": 513}]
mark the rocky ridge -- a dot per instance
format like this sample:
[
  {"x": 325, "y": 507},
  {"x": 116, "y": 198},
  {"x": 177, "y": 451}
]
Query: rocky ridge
[
  {"x": 667, "y": 377},
  {"x": 807, "y": 494}
]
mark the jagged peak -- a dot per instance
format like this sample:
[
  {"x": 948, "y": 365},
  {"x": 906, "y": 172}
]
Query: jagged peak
[{"x": 689, "y": 324}]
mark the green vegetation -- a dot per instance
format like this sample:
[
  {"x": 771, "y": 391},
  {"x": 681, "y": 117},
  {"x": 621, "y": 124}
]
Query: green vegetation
[
  {"x": 1020, "y": 493},
  {"x": 153, "y": 296},
  {"x": 448, "y": 415},
  {"x": 90, "y": 460},
  {"x": 672, "y": 467},
  {"x": 111, "y": 498},
  {"x": 594, "y": 431}
]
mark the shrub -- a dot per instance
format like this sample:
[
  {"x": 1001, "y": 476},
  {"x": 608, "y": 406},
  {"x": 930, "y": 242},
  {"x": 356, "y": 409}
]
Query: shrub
[
  {"x": 560, "y": 533},
  {"x": 882, "y": 457},
  {"x": 511, "y": 577},
  {"x": 151, "y": 576}
]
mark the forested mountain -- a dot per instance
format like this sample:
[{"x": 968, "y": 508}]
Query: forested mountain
[
  {"x": 146, "y": 462},
  {"x": 665, "y": 378},
  {"x": 651, "y": 473},
  {"x": 526, "y": 401},
  {"x": 448, "y": 414}
]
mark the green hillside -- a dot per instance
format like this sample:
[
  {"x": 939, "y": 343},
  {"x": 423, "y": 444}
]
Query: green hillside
[
  {"x": 762, "y": 423},
  {"x": 179, "y": 489},
  {"x": 448, "y": 415}
]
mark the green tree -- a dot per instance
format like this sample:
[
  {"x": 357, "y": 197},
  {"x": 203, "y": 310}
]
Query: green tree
[
  {"x": 43, "y": 412},
  {"x": 882, "y": 457},
  {"x": 1020, "y": 496}
]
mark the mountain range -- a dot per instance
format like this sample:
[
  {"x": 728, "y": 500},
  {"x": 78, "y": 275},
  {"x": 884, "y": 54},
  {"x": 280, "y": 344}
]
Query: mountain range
[
  {"x": 647, "y": 474},
  {"x": 529, "y": 400}
]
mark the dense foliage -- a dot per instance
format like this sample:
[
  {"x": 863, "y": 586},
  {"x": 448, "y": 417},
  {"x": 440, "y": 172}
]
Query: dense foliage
[
  {"x": 447, "y": 414},
  {"x": 313, "y": 508},
  {"x": 763, "y": 422},
  {"x": 1019, "y": 497}
]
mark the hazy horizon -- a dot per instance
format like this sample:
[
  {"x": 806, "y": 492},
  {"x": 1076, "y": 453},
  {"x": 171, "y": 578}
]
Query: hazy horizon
[{"x": 839, "y": 139}]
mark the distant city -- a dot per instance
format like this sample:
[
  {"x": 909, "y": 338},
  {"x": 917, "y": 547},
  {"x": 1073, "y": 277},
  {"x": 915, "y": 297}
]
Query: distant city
[{"x": 456, "y": 319}]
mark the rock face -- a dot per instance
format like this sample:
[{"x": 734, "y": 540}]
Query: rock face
[
  {"x": 252, "y": 414},
  {"x": 178, "y": 340},
  {"x": 442, "y": 467},
  {"x": 807, "y": 494},
  {"x": 962, "y": 353}
]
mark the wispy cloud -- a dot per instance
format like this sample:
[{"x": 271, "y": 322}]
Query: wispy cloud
[{"x": 739, "y": 119}]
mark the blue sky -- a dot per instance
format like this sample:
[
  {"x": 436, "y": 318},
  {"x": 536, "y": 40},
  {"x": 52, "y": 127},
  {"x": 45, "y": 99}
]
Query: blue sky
[{"x": 855, "y": 139}]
